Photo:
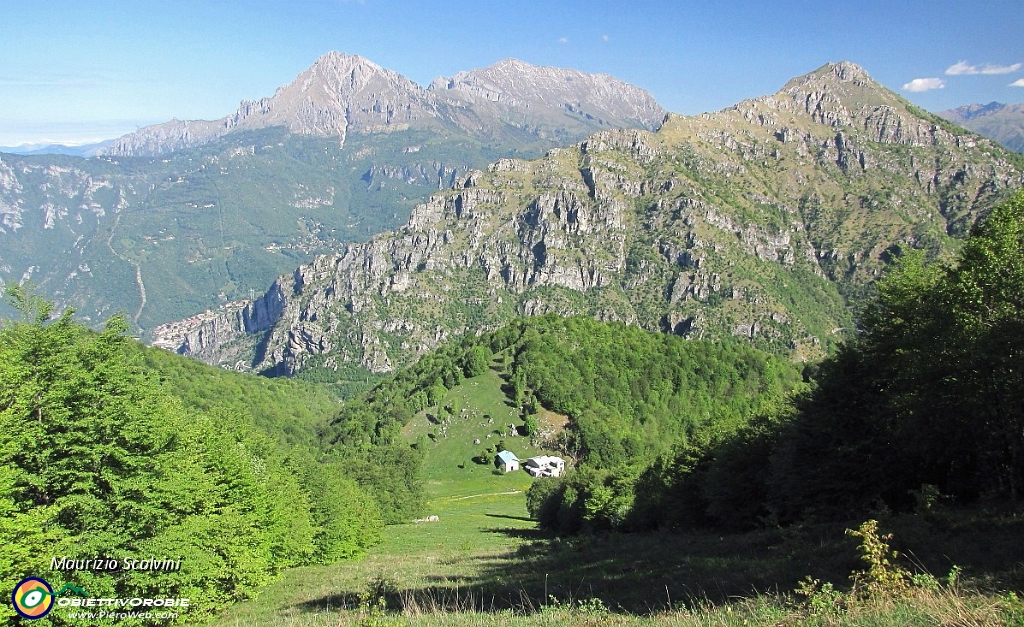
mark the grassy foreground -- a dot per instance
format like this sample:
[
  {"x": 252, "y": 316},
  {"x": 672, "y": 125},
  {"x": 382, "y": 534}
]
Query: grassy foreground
[
  {"x": 483, "y": 562},
  {"x": 493, "y": 570}
]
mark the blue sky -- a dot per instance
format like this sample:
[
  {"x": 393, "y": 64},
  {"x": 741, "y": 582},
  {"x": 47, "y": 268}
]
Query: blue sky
[{"x": 75, "y": 71}]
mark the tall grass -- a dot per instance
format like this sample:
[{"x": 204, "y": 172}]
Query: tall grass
[{"x": 945, "y": 607}]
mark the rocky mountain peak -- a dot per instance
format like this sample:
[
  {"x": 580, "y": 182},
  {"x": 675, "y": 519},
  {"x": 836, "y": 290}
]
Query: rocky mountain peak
[
  {"x": 846, "y": 72},
  {"x": 342, "y": 93},
  {"x": 840, "y": 76},
  {"x": 702, "y": 229},
  {"x": 844, "y": 97},
  {"x": 338, "y": 93},
  {"x": 515, "y": 84},
  {"x": 339, "y": 74},
  {"x": 335, "y": 60}
]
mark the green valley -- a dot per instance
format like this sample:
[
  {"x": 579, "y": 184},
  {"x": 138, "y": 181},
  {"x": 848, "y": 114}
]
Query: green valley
[
  {"x": 709, "y": 483},
  {"x": 483, "y": 562}
]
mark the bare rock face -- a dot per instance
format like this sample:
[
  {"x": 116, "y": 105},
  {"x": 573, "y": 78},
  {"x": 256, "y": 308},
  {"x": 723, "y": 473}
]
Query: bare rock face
[
  {"x": 521, "y": 93},
  {"x": 338, "y": 93},
  {"x": 342, "y": 94},
  {"x": 763, "y": 220}
]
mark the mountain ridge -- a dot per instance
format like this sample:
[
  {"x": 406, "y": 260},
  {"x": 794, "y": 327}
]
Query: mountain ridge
[
  {"x": 90, "y": 149},
  {"x": 1001, "y": 122},
  {"x": 213, "y": 210},
  {"x": 342, "y": 93},
  {"x": 766, "y": 219}
]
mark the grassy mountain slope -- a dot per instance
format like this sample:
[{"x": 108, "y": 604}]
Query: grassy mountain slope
[{"x": 482, "y": 562}]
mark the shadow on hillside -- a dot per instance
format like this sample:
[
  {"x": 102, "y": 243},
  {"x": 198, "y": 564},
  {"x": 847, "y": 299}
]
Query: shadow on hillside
[
  {"x": 521, "y": 534},
  {"x": 650, "y": 572},
  {"x": 523, "y": 518},
  {"x": 344, "y": 601}
]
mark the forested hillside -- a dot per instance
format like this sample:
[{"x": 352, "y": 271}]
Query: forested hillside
[
  {"x": 925, "y": 404},
  {"x": 109, "y": 450},
  {"x": 630, "y": 395}
]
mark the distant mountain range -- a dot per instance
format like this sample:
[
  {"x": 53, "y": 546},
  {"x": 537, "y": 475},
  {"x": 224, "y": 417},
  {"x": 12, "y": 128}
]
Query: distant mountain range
[
  {"x": 184, "y": 216},
  {"x": 342, "y": 94},
  {"x": 995, "y": 120},
  {"x": 766, "y": 220},
  {"x": 81, "y": 150}
]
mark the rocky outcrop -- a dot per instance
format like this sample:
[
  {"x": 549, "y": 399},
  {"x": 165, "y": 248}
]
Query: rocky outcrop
[{"x": 434, "y": 174}]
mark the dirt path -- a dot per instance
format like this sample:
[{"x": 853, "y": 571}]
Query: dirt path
[
  {"x": 473, "y": 496},
  {"x": 142, "y": 293}
]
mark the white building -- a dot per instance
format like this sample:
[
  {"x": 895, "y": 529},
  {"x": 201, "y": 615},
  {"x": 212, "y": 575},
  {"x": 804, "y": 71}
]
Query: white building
[
  {"x": 545, "y": 466},
  {"x": 506, "y": 461}
]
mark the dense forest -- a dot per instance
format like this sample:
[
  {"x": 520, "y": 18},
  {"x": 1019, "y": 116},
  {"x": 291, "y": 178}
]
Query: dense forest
[
  {"x": 110, "y": 450},
  {"x": 926, "y": 403}
]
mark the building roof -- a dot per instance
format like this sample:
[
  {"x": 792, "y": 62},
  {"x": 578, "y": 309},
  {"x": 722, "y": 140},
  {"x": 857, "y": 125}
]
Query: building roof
[
  {"x": 507, "y": 456},
  {"x": 545, "y": 460}
]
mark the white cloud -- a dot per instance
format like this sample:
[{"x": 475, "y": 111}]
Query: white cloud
[
  {"x": 1000, "y": 69},
  {"x": 605, "y": 37},
  {"x": 1017, "y": 83},
  {"x": 962, "y": 68},
  {"x": 959, "y": 68},
  {"x": 924, "y": 84},
  {"x": 563, "y": 40}
]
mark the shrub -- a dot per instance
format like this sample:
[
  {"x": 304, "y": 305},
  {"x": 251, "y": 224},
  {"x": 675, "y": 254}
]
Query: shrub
[{"x": 883, "y": 577}]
